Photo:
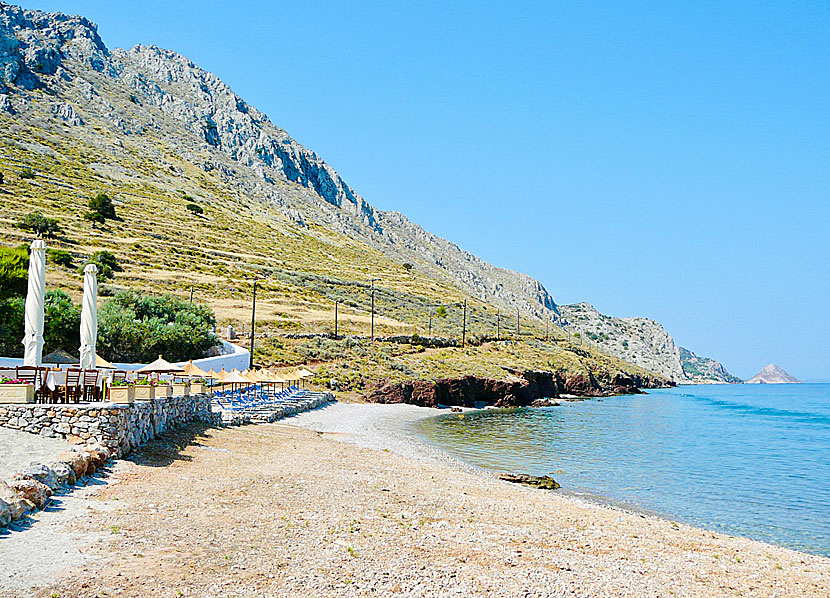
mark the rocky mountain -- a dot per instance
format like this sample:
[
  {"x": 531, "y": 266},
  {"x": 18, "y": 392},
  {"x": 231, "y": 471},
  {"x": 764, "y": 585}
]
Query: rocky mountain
[
  {"x": 772, "y": 374},
  {"x": 160, "y": 134},
  {"x": 149, "y": 92},
  {"x": 704, "y": 370},
  {"x": 639, "y": 340}
]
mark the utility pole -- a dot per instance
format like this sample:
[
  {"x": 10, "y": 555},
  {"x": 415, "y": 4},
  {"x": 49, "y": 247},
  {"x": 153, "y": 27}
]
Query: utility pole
[
  {"x": 335, "y": 319},
  {"x": 253, "y": 324},
  {"x": 518, "y": 323},
  {"x": 546, "y": 330},
  {"x": 373, "y": 309},
  {"x": 430, "y": 321},
  {"x": 464, "y": 326},
  {"x": 498, "y": 324},
  {"x": 191, "y": 293}
]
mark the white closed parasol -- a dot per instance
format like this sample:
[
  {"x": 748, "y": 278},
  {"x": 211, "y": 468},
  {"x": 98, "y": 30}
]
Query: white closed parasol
[
  {"x": 89, "y": 317},
  {"x": 33, "y": 337}
]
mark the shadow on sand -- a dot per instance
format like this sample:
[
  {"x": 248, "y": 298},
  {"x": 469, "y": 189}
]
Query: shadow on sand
[{"x": 168, "y": 447}]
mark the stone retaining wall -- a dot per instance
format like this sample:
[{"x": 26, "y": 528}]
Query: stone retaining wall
[{"x": 120, "y": 428}]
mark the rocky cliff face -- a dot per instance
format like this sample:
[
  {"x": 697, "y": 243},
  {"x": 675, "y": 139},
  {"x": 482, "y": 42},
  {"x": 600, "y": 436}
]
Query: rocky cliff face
[
  {"x": 167, "y": 100},
  {"x": 640, "y": 341},
  {"x": 772, "y": 374},
  {"x": 704, "y": 370},
  {"x": 527, "y": 389}
]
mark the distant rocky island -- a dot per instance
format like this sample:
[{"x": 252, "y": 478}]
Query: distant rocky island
[{"x": 772, "y": 374}]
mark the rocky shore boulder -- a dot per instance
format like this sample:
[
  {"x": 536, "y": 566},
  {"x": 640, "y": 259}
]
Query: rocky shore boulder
[
  {"x": 40, "y": 473},
  {"x": 64, "y": 474},
  {"x": 16, "y": 504},
  {"x": 542, "y": 482},
  {"x": 77, "y": 461},
  {"x": 36, "y": 493}
]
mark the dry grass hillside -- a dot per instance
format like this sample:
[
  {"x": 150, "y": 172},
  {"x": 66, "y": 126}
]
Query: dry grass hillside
[{"x": 302, "y": 269}]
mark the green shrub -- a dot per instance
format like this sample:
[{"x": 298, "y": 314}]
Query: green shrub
[
  {"x": 134, "y": 327},
  {"x": 95, "y": 218},
  {"x": 1, "y": 178},
  {"x": 27, "y": 173},
  {"x": 39, "y": 224},
  {"x": 441, "y": 312},
  {"x": 194, "y": 208},
  {"x": 107, "y": 265},
  {"x": 407, "y": 267},
  {"x": 60, "y": 257},
  {"x": 14, "y": 272},
  {"x": 62, "y": 323},
  {"x": 12, "y": 326},
  {"x": 102, "y": 204}
]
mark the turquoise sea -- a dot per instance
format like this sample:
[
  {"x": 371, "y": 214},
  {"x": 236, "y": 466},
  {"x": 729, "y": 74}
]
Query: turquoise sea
[{"x": 749, "y": 460}]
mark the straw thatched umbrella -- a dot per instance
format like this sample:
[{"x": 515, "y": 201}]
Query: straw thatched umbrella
[
  {"x": 59, "y": 357},
  {"x": 89, "y": 317},
  {"x": 160, "y": 366},
  {"x": 103, "y": 364},
  {"x": 35, "y": 296},
  {"x": 193, "y": 370}
]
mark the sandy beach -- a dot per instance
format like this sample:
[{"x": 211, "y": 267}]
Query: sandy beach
[{"x": 344, "y": 501}]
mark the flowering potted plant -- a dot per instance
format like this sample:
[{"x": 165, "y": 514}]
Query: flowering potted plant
[
  {"x": 198, "y": 386},
  {"x": 13, "y": 390},
  {"x": 181, "y": 389},
  {"x": 145, "y": 389},
  {"x": 122, "y": 391}
]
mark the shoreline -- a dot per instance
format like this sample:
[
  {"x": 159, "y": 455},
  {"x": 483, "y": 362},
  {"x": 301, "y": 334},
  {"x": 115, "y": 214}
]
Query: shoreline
[{"x": 399, "y": 419}]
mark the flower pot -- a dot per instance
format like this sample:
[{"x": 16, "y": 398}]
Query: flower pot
[
  {"x": 181, "y": 390},
  {"x": 17, "y": 393},
  {"x": 145, "y": 392},
  {"x": 197, "y": 389},
  {"x": 122, "y": 394},
  {"x": 163, "y": 391}
]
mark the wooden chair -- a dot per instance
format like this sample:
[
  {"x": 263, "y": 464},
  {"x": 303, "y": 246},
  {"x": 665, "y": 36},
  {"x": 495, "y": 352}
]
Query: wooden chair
[
  {"x": 91, "y": 391},
  {"x": 119, "y": 375},
  {"x": 73, "y": 382},
  {"x": 31, "y": 374}
]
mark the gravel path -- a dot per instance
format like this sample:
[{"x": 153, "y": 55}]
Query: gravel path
[
  {"x": 19, "y": 449},
  {"x": 281, "y": 510}
]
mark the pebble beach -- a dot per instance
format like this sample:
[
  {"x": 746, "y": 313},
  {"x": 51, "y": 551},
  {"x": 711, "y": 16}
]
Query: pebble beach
[{"x": 344, "y": 501}]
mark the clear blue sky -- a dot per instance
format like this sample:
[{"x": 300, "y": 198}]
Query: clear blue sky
[{"x": 670, "y": 160}]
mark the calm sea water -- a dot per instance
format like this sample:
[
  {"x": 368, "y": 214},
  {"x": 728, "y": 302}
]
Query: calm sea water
[{"x": 750, "y": 460}]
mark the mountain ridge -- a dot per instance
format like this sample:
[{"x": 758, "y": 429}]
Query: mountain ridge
[{"x": 184, "y": 128}]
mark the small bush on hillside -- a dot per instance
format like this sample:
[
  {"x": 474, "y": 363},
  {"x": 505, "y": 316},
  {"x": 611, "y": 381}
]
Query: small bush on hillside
[
  {"x": 27, "y": 173},
  {"x": 101, "y": 205},
  {"x": 1, "y": 178},
  {"x": 407, "y": 267},
  {"x": 39, "y": 224},
  {"x": 95, "y": 218},
  {"x": 60, "y": 257},
  {"x": 195, "y": 209},
  {"x": 107, "y": 265}
]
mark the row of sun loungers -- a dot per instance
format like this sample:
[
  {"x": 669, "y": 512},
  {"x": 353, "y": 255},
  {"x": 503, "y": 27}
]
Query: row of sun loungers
[{"x": 258, "y": 404}]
